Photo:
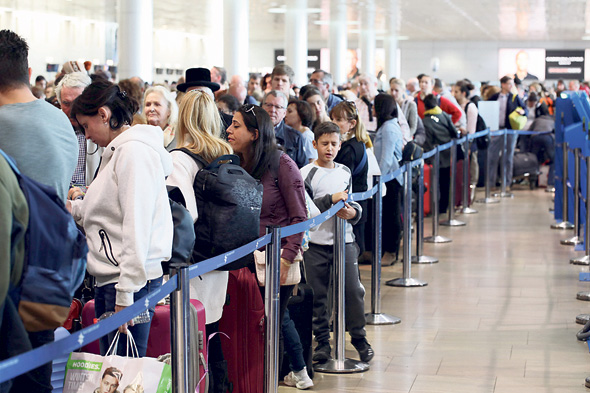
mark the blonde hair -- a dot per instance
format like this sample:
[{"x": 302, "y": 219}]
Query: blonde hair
[
  {"x": 199, "y": 126},
  {"x": 168, "y": 97},
  {"x": 347, "y": 110}
]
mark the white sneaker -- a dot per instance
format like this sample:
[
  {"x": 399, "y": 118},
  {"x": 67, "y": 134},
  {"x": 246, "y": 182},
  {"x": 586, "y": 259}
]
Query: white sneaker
[{"x": 299, "y": 379}]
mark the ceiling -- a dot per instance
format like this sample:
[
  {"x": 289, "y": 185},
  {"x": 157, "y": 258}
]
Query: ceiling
[{"x": 416, "y": 20}]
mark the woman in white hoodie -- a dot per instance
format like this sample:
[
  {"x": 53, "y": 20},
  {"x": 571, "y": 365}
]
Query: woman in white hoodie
[{"x": 125, "y": 213}]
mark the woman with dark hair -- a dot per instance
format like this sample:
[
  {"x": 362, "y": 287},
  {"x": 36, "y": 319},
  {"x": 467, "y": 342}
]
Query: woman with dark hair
[
  {"x": 126, "y": 213},
  {"x": 313, "y": 96},
  {"x": 251, "y": 135},
  {"x": 388, "y": 150},
  {"x": 300, "y": 116}
]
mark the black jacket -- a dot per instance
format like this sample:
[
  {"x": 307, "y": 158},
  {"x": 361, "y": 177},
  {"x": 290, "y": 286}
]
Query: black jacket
[
  {"x": 290, "y": 140},
  {"x": 511, "y": 105}
]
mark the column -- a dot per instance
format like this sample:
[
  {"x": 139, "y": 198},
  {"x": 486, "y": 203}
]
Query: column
[
  {"x": 390, "y": 41},
  {"x": 338, "y": 41},
  {"x": 368, "y": 38},
  {"x": 296, "y": 39},
  {"x": 236, "y": 37},
  {"x": 135, "y": 39}
]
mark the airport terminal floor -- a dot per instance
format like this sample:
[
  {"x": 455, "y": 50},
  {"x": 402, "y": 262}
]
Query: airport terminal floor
[{"x": 497, "y": 316}]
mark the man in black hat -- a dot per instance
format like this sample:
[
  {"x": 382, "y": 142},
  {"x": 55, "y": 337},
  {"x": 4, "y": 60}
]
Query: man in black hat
[{"x": 200, "y": 79}]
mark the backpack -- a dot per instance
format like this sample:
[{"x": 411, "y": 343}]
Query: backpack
[
  {"x": 55, "y": 258},
  {"x": 183, "y": 240},
  {"x": 484, "y": 141},
  {"x": 229, "y": 202}
]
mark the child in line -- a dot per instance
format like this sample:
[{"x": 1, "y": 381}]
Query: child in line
[{"x": 328, "y": 183}]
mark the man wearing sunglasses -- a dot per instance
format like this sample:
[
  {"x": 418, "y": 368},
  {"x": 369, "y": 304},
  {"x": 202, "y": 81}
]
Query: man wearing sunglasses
[{"x": 275, "y": 104}]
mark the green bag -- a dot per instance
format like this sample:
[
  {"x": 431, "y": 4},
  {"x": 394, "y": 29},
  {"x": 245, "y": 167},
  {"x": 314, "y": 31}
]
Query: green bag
[{"x": 517, "y": 121}]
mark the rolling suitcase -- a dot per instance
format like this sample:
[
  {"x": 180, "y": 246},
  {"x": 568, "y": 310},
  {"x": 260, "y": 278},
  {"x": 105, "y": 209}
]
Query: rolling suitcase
[
  {"x": 427, "y": 181},
  {"x": 243, "y": 323},
  {"x": 88, "y": 319},
  {"x": 159, "y": 340}
]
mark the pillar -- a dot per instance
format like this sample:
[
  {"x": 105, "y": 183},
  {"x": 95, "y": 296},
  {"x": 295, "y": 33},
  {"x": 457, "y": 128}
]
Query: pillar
[
  {"x": 236, "y": 37},
  {"x": 135, "y": 39},
  {"x": 368, "y": 38},
  {"x": 296, "y": 39},
  {"x": 338, "y": 41}
]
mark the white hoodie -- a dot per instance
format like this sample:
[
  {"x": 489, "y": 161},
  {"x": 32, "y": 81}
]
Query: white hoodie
[{"x": 126, "y": 213}]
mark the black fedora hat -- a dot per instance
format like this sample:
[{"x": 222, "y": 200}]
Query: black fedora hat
[{"x": 197, "y": 77}]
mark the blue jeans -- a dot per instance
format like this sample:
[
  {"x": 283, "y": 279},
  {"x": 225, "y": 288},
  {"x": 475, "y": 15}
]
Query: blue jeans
[
  {"x": 104, "y": 301},
  {"x": 292, "y": 343}
]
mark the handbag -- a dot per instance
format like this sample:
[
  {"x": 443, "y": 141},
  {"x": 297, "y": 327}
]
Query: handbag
[
  {"x": 293, "y": 277},
  {"x": 517, "y": 121},
  {"x": 86, "y": 372}
]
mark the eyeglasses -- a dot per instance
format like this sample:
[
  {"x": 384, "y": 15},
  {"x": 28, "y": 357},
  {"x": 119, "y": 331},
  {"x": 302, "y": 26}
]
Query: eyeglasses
[
  {"x": 316, "y": 82},
  {"x": 249, "y": 108},
  {"x": 270, "y": 106}
]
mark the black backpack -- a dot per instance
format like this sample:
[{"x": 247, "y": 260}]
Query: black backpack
[
  {"x": 229, "y": 202},
  {"x": 483, "y": 141}
]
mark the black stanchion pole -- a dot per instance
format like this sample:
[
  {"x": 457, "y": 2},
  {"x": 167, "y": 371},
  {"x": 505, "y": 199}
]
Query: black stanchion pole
[
  {"x": 376, "y": 317},
  {"x": 271, "y": 310},
  {"x": 179, "y": 328},
  {"x": 419, "y": 258}
]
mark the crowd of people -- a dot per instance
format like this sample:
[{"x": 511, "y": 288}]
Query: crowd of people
[{"x": 110, "y": 150}]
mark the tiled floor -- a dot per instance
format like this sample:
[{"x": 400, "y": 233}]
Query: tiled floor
[{"x": 498, "y": 314}]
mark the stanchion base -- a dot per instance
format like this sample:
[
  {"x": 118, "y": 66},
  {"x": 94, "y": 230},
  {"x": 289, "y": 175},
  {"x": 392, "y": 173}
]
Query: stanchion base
[
  {"x": 585, "y": 260},
  {"x": 452, "y": 223},
  {"x": 582, "y": 319},
  {"x": 437, "y": 239},
  {"x": 406, "y": 282},
  {"x": 587, "y": 382},
  {"x": 346, "y": 366},
  {"x": 572, "y": 241},
  {"x": 424, "y": 259},
  {"x": 381, "y": 319},
  {"x": 468, "y": 210},
  {"x": 583, "y": 295},
  {"x": 503, "y": 195},
  {"x": 550, "y": 189},
  {"x": 563, "y": 225},
  {"x": 487, "y": 200}
]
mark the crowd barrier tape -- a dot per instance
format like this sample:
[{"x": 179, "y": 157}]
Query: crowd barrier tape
[{"x": 25, "y": 362}]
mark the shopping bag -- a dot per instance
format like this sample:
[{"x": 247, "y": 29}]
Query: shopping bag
[
  {"x": 89, "y": 373},
  {"x": 516, "y": 118}
]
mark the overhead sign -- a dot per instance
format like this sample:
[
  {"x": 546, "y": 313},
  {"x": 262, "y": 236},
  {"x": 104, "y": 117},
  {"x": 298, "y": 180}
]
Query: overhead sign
[{"x": 564, "y": 64}]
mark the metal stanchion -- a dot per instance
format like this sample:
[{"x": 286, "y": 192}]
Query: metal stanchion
[
  {"x": 435, "y": 238},
  {"x": 466, "y": 183},
  {"x": 488, "y": 197},
  {"x": 179, "y": 328},
  {"x": 340, "y": 364},
  {"x": 451, "y": 221},
  {"x": 504, "y": 167},
  {"x": 407, "y": 280},
  {"x": 271, "y": 310},
  {"x": 419, "y": 258},
  {"x": 564, "y": 224},
  {"x": 585, "y": 260},
  {"x": 576, "y": 239},
  {"x": 376, "y": 317}
]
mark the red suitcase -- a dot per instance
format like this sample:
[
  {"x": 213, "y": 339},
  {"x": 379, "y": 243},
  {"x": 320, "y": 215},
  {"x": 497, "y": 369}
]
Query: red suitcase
[
  {"x": 88, "y": 318},
  {"x": 243, "y": 322},
  {"x": 159, "y": 339}
]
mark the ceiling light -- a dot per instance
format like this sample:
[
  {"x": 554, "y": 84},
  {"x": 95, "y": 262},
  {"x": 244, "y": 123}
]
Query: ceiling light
[
  {"x": 586, "y": 38},
  {"x": 283, "y": 9}
]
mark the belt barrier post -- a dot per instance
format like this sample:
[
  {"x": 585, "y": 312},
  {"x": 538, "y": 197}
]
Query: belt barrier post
[
  {"x": 419, "y": 258},
  {"x": 451, "y": 222},
  {"x": 466, "y": 183},
  {"x": 435, "y": 238},
  {"x": 340, "y": 364},
  {"x": 376, "y": 317},
  {"x": 179, "y": 328},
  {"x": 488, "y": 196},
  {"x": 564, "y": 224},
  {"x": 504, "y": 166},
  {"x": 585, "y": 260},
  {"x": 576, "y": 239},
  {"x": 271, "y": 310},
  {"x": 407, "y": 280}
]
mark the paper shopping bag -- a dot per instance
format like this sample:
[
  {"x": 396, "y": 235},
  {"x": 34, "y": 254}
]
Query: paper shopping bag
[{"x": 89, "y": 373}]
